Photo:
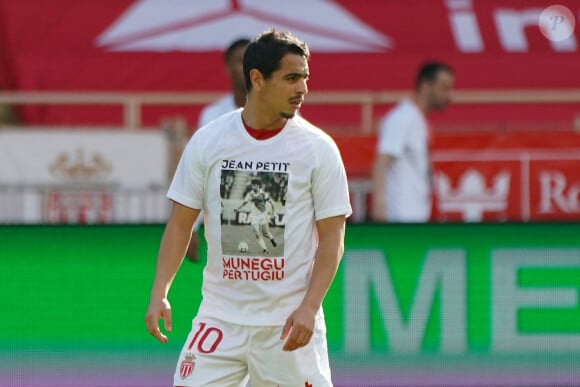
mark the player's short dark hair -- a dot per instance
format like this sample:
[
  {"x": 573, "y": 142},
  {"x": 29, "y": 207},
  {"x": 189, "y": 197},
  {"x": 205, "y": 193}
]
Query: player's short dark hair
[
  {"x": 256, "y": 182},
  {"x": 428, "y": 72},
  {"x": 265, "y": 52},
  {"x": 242, "y": 42}
]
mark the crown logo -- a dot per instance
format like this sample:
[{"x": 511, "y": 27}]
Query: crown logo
[
  {"x": 78, "y": 168},
  {"x": 187, "y": 365},
  {"x": 472, "y": 198}
]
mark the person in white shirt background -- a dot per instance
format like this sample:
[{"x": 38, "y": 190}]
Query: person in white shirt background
[
  {"x": 401, "y": 173},
  {"x": 235, "y": 99}
]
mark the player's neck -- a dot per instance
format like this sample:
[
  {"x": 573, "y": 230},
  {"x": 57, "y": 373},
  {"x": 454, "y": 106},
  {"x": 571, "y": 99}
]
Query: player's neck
[
  {"x": 261, "y": 134},
  {"x": 421, "y": 104},
  {"x": 259, "y": 119}
]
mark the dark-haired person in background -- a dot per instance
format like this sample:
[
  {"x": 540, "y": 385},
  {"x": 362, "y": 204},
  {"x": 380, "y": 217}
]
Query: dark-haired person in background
[
  {"x": 233, "y": 60},
  {"x": 235, "y": 99},
  {"x": 401, "y": 175}
]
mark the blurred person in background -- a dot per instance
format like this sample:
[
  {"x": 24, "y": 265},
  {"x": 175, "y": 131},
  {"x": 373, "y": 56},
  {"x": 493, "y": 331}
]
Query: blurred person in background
[
  {"x": 235, "y": 99},
  {"x": 8, "y": 116},
  {"x": 402, "y": 170}
]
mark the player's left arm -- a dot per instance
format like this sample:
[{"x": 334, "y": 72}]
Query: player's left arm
[
  {"x": 300, "y": 324},
  {"x": 272, "y": 209}
]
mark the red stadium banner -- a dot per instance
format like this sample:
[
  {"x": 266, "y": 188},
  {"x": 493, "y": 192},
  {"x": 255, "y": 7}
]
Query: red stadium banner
[
  {"x": 508, "y": 186},
  {"x": 157, "y": 45},
  {"x": 488, "y": 177},
  {"x": 471, "y": 189},
  {"x": 555, "y": 187}
]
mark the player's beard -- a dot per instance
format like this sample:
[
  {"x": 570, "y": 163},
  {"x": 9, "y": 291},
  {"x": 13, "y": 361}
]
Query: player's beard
[{"x": 287, "y": 115}]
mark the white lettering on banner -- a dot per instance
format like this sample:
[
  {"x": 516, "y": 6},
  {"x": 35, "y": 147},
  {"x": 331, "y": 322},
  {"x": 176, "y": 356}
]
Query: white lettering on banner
[
  {"x": 464, "y": 26},
  {"x": 553, "y": 193},
  {"x": 510, "y": 27},
  {"x": 508, "y": 298},
  {"x": 443, "y": 270}
]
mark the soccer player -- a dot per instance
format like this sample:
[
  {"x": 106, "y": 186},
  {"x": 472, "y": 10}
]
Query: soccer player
[
  {"x": 261, "y": 317},
  {"x": 263, "y": 206}
]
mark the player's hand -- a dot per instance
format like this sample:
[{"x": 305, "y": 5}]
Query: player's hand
[
  {"x": 298, "y": 329},
  {"x": 158, "y": 309}
]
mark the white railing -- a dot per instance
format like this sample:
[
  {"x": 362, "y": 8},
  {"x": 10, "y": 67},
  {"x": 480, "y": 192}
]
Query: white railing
[
  {"x": 134, "y": 102},
  {"x": 88, "y": 203}
]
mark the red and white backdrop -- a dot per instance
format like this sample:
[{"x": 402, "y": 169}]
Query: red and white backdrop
[
  {"x": 158, "y": 45},
  {"x": 517, "y": 176}
]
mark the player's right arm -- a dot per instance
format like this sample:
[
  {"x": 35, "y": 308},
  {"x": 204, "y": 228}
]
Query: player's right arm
[
  {"x": 379, "y": 172},
  {"x": 171, "y": 252},
  {"x": 246, "y": 201}
]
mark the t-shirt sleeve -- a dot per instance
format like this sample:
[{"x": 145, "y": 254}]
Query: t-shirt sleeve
[
  {"x": 392, "y": 134},
  {"x": 330, "y": 185},
  {"x": 186, "y": 187}
]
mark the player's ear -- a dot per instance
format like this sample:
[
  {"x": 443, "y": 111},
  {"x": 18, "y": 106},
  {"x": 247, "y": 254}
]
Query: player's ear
[{"x": 257, "y": 78}]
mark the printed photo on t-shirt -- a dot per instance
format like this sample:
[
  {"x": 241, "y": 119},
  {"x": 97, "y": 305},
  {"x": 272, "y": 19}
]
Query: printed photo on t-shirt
[{"x": 253, "y": 213}]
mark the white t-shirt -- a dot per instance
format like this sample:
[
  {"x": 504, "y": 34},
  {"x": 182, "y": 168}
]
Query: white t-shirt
[
  {"x": 404, "y": 136},
  {"x": 220, "y": 107},
  {"x": 302, "y": 171},
  {"x": 210, "y": 112}
]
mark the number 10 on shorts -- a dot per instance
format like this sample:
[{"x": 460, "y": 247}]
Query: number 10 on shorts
[{"x": 206, "y": 339}]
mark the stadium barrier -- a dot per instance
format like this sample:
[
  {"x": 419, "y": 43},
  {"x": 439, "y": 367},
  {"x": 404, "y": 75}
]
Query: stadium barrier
[{"x": 367, "y": 102}]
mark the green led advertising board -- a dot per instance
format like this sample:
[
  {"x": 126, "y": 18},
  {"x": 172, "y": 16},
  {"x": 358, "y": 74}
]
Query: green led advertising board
[{"x": 410, "y": 303}]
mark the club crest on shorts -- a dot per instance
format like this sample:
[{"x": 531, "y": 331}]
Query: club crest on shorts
[{"x": 187, "y": 365}]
